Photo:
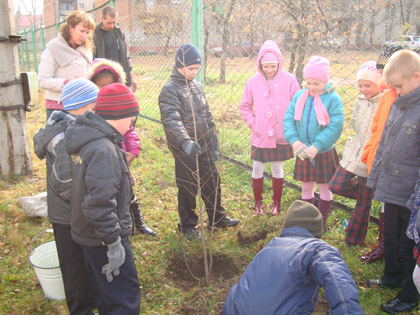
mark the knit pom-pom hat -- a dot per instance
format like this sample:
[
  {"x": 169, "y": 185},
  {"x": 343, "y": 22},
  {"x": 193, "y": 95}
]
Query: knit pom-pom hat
[
  {"x": 78, "y": 93},
  {"x": 304, "y": 215},
  {"x": 187, "y": 55},
  {"x": 368, "y": 72},
  {"x": 116, "y": 101},
  {"x": 318, "y": 68}
]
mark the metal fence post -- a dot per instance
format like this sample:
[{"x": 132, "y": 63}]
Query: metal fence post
[
  {"x": 21, "y": 59},
  {"x": 34, "y": 48},
  {"x": 197, "y": 33},
  {"x": 28, "y": 64},
  {"x": 43, "y": 37},
  {"x": 56, "y": 28}
]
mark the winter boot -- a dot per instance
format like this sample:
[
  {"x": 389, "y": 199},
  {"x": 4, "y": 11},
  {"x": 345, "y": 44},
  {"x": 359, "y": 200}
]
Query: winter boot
[
  {"x": 324, "y": 208},
  {"x": 138, "y": 218},
  {"x": 257, "y": 187},
  {"x": 379, "y": 251},
  {"x": 277, "y": 184}
]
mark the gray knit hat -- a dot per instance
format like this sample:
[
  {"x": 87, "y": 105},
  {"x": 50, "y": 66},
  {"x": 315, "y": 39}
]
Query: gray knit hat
[{"x": 304, "y": 215}]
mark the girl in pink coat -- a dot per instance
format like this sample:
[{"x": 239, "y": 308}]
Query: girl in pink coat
[{"x": 264, "y": 103}]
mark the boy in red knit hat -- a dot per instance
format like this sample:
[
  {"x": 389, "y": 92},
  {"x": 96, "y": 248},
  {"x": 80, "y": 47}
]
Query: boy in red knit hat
[{"x": 100, "y": 218}]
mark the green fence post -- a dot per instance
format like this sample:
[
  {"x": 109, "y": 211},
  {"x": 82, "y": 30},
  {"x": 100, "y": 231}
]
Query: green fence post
[
  {"x": 197, "y": 34},
  {"x": 28, "y": 64},
  {"x": 56, "y": 28},
  {"x": 22, "y": 61},
  {"x": 112, "y": 3},
  {"x": 43, "y": 37},
  {"x": 34, "y": 48}
]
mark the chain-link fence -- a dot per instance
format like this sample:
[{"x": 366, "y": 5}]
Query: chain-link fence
[{"x": 347, "y": 33}]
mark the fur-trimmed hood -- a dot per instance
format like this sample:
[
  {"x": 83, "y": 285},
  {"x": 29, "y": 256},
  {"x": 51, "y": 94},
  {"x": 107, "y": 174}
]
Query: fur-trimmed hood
[{"x": 107, "y": 63}]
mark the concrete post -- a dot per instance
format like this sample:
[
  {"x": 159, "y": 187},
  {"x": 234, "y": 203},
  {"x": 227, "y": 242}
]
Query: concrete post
[{"x": 15, "y": 157}]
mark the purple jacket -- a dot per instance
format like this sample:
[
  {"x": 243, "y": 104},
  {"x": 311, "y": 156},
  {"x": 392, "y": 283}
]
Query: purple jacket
[
  {"x": 131, "y": 142},
  {"x": 264, "y": 103}
]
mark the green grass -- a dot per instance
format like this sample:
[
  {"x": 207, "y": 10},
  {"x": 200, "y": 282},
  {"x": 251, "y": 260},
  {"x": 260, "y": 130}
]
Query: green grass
[
  {"x": 161, "y": 289},
  {"x": 162, "y": 292}
]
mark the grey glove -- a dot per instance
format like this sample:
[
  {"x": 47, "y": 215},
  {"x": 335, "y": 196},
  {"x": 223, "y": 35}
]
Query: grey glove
[
  {"x": 116, "y": 257},
  {"x": 191, "y": 147}
]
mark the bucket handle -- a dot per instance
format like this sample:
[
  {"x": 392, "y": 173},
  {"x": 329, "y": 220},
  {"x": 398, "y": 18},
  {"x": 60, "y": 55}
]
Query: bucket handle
[{"x": 29, "y": 250}]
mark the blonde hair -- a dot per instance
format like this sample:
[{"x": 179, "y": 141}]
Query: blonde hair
[
  {"x": 74, "y": 19},
  {"x": 402, "y": 64}
]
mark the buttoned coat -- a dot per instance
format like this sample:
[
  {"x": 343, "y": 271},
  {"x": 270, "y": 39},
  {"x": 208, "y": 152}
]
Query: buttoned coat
[
  {"x": 264, "y": 102},
  {"x": 362, "y": 116},
  {"x": 397, "y": 162}
]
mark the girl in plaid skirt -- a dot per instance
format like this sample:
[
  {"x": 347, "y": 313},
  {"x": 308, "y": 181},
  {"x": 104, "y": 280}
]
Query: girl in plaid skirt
[
  {"x": 313, "y": 123},
  {"x": 351, "y": 176},
  {"x": 264, "y": 103}
]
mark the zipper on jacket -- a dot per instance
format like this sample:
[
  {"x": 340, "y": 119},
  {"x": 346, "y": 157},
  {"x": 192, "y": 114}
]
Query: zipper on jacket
[{"x": 309, "y": 116}]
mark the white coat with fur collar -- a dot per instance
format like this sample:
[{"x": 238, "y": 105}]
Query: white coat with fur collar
[{"x": 60, "y": 62}]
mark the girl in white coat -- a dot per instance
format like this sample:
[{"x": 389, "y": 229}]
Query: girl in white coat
[
  {"x": 68, "y": 56},
  {"x": 351, "y": 175}
]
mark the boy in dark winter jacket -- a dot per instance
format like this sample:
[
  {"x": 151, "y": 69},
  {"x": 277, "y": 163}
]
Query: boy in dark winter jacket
[
  {"x": 78, "y": 96},
  {"x": 100, "y": 216},
  {"x": 394, "y": 174},
  {"x": 286, "y": 275},
  {"x": 191, "y": 135}
]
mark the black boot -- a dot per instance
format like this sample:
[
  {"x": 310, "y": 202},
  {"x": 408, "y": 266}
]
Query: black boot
[{"x": 138, "y": 218}]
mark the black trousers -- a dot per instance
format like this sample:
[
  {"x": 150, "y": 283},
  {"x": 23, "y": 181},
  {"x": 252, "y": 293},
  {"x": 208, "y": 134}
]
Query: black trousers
[
  {"x": 399, "y": 260},
  {"x": 77, "y": 286},
  {"x": 122, "y": 294},
  {"x": 187, "y": 181}
]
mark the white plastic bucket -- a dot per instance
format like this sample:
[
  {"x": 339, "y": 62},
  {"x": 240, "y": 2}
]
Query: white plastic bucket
[{"x": 45, "y": 261}]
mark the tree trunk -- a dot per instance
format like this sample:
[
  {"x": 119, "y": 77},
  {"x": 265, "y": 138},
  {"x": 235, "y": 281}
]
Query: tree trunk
[{"x": 15, "y": 156}]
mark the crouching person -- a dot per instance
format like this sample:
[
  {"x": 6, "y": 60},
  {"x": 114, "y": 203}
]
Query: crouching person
[
  {"x": 285, "y": 276},
  {"x": 100, "y": 215}
]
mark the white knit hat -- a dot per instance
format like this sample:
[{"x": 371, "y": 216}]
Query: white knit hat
[{"x": 368, "y": 71}]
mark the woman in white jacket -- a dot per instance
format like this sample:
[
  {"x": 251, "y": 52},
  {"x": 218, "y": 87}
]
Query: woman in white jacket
[{"x": 68, "y": 56}]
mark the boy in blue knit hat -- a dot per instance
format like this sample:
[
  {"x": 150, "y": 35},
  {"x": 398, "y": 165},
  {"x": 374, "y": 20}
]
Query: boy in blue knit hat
[
  {"x": 78, "y": 96},
  {"x": 191, "y": 136}
]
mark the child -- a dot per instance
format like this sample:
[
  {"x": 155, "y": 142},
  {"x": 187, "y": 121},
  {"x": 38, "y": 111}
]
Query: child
[
  {"x": 102, "y": 73},
  {"x": 191, "y": 137},
  {"x": 100, "y": 217},
  {"x": 394, "y": 173},
  {"x": 77, "y": 96},
  {"x": 285, "y": 277},
  {"x": 350, "y": 177},
  {"x": 371, "y": 146},
  {"x": 313, "y": 123},
  {"x": 264, "y": 103}
]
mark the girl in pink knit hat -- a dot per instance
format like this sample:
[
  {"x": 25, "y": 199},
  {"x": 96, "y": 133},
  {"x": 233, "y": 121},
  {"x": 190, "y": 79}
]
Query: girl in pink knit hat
[
  {"x": 264, "y": 102},
  {"x": 313, "y": 123},
  {"x": 351, "y": 175}
]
